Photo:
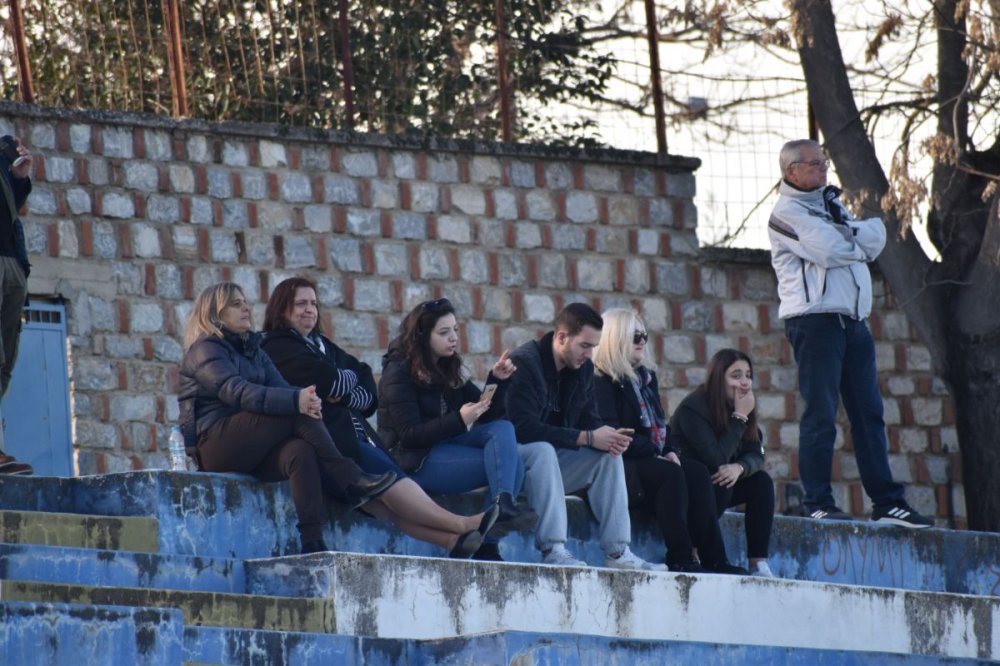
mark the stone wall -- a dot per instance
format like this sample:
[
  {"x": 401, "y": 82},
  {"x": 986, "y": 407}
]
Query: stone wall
[{"x": 131, "y": 216}]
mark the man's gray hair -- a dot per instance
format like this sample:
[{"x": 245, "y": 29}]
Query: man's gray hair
[{"x": 791, "y": 151}]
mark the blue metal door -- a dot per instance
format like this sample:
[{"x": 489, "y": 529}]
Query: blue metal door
[{"x": 36, "y": 407}]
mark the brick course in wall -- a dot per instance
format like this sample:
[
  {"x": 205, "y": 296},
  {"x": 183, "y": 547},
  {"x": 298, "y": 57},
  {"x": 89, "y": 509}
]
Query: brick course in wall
[{"x": 131, "y": 216}]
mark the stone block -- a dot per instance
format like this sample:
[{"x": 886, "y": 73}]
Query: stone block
[
  {"x": 42, "y": 202},
  {"x": 505, "y": 204},
  {"x": 60, "y": 169},
  {"x": 927, "y": 411},
  {"x": 220, "y": 183},
  {"x": 254, "y": 185},
  {"x": 714, "y": 282},
  {"x": 885, "y": 357},
  {"x": 128, "y": 278},
  {"x": 697, "y": 316},
  {"x": 913, "y": 440},
  {"x": 937, "y": 468},
  {"x": 384, "y": 193},
  {"x": 146, "y": 318},
  {"x": 36, "y": 238},
  {"x": 636, "y": 276},
  {"x": 318, "y": 218},
  {"x": 69, "y": 244},
  {"x": 78, "y": 201},
  {"x": 491, "y": 233},
  {"x": 424, "y": 197},
  {"x": 159, "y": 146},
  {"x": 473, "y": 266},
  {"x": 296, "y": 187},
  {"x": 372, "y": 296},
  {"x": 181, "y": 178},
  {"x": 340, "y": 190},
  {"x": 359, "y": 163},
  {"x": 299, "y": 252},
  {"x": 407, "y": 225},
  {"x": 222, "y": 246},
  {"x": 141, "y": 176},
  {"x": 330, "y": 291},
  {"x": 681, "y": 185},
  {"x": 789, "y": 433},
  {"x": 644, "y": 183},
  {"x": 661, "y": 212},
  {"x": 900, "y": 466},
  {"x": 512, "y": 270},
  {"x": 235, "y": 214},
  {"x": 123, "y": 346},
  {"x": 363, "y": 222},
  {"x": 434, "y": 263},
  {"x": 895, "y": 326},
  {"x": 784, "y": 379},
  {"x": 512, "y": 337},
  {"x": 901, "y": 385},
  {"x": 260, "y": 249},
  {"x": 105, "y": 240},
  {"x": 485, "y": 170},
  {"x": 918, "y": 358},
  {"x": 648, "y": 242},
  {"x": 79, "y": 138},
  {"x": 391, "y": 259},
  {"x": 235, "y": 154},
  {"x": 612, "y": 240},
  {"x": 595, "y": 274},
  {"x": 351, "y": 328},
  {"x": 311, "y": 158},
  {"x": 454, "y": 229},
  {"x": 479, "y": 336},
  {"x": 655, "y": 314},
  {"x": 198, "y": 149},
  {"x": 160, "y": 208},
  {"x": 602, "y": 177},
  {"x": 96, "y": 435},
  {"x": 527, "y": 235},
  {"x": 273, "y": 154},
  {"x": 133, "y": 408},
  {"x": 539, "y": 308},
  {"x": 97, "y": 171},
  {"x": 202, "y": 211},
  {"x": 540, "y": 205},
  {"x": 169, "y": 281},
  {"x": 468, "y": 199},
  {"x": 117, "y": 142},
  {"x": 442, "y": 168},
  {"x": 623, "y": 211},
  {"x": 678, "y": 348},
  {"x": 673, "y": 279},
  {"x": 552, "y": 271},
  {"x": 522, "y": 174},
  {"x": 558, "y": 176},
  {"x": 891, "y": 411},
  {"x": 345, "y": 254},
  {"x": 404, "y": 165},
  {"x": 770, "y": 406},
  {"x": 116, "y": 204},
  {"x": 581, "y": 207},
  {"x": 145, "y": 240},
  {"x": 715, "y": 342},
  {"x": 497, "y": 305},
  {"x": 740, "y": 317}
]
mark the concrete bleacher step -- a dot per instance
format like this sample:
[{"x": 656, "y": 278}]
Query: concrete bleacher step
[
  {"x": 80, "y": 531},
  {"x": 111, "y": 568},
  {"x": 198, "y": 608},
  {"x": 423, "y": 598}
]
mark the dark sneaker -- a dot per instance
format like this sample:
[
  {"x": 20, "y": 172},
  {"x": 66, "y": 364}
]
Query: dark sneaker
[
  {"x": 901, "y": 514},
  {"x": 691, "y": 566},
  {"x": 726, "y": 568},
  {"x": 488, "y": 552},
  {"x": 831, "y": 512}
]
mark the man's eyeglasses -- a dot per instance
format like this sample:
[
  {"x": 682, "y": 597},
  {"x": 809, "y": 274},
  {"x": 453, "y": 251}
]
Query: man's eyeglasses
[
  {"x": 813, "y": 163},
  {"x": 640, "y": 336},
  {"x": 436, "y": 306}
]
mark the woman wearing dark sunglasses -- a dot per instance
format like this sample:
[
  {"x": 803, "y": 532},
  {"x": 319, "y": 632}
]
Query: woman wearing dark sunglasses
[
  {"x": 437, "y": 424},
  {"x": 676, "y": 492}
]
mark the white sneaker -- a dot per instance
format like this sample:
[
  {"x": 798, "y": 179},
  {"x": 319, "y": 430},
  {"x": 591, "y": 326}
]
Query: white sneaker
[
  {"x": 631, "y": 561},
  {"x": 561, "y": 557},
  {"x": 763, "y": 570}
]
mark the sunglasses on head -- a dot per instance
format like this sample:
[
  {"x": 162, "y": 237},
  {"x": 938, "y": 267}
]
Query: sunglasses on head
[
  {"x": 436, "y": 306},
  {"x": 640, "y": 336}
]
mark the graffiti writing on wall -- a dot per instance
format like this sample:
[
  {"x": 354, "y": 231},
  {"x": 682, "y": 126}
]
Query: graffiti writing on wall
[{"x": 864, "y": 559}]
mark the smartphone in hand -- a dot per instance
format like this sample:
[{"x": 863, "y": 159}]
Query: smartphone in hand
[
  {"x": 9, "y": 150},
  {"x": 625, "y": 431},
  {"x": 488, "y": 392}
]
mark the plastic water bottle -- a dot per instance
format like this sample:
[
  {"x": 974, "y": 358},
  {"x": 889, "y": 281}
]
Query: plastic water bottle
[{"x": 178, "y": 456}]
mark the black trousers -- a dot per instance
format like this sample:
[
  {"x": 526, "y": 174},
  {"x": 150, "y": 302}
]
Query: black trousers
[
  {"x": 757, "y": 492},
  {"x": 275, "y": 448},
  {"x": 681, "y": 500}
]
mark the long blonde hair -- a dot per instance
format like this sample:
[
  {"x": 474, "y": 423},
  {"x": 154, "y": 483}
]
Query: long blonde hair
[
  {"x": 206, "y": 313},
  {"x": 611, "y": 357}
]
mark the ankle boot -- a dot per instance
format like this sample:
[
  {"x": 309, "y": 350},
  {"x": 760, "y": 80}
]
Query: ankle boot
[{"x": 513, "y": 517}]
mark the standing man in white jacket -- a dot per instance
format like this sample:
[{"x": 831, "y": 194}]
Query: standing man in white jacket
[{"x": 820, "y": 255}]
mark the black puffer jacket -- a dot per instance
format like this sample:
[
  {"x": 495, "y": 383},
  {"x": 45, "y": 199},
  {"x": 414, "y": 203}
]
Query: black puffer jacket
[
  {"x": 224, "y": 376},
  {"x": 619, "y": 407},
  {"x": 692, "y": 433},
  {"x": 410, "y": 418}
]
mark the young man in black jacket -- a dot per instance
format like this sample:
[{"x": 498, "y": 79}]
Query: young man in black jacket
[{"x": 551, "y": 399}]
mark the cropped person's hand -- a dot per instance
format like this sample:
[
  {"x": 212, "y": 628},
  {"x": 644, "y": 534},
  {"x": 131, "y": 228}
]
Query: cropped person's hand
[
  {"x": 23, "y": 169},
  {"x": 608, "y": 439},
  {"x": 744, "y": 404},
  {"x": 504, "y": 367},
  {"x": 727, "y": 475},
  {"x": 471, "y": 411},
  {"x": 309, "y": 402},
  {"x": 670, "y": 456}
]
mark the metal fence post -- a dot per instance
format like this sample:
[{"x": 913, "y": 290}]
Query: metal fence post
[
  {"x": 506, "y": 132},
  {"x": 654, "y": 75},
  {"x": 23, "y": 65},
  {"x": 345, "y": 58},
  {"x": 175, "y": 56}
]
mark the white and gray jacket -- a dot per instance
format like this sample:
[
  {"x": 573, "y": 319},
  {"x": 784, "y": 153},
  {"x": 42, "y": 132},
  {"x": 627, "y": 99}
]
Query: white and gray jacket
[{"x": 820, "y": 262}]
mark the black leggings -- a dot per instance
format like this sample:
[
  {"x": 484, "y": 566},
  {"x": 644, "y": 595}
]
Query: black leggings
[
  {"x": 757, "y": 492},
  {"x": 275, "y": 448},
  {"x": 681, "y": 500}
]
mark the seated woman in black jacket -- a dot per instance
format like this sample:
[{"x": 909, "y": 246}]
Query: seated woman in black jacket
[
  {"x": 243, "y": 417},
  {"x": 717, "y": 424},
  {"x": 674, "y": 490},
  {"x": 294, "y": 341}
]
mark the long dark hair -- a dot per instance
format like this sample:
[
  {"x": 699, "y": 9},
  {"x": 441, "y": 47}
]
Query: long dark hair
[
  {"x": 714, "y": 387},
  {"x": 413, "y": 341},
  {"x": 281, "y": 302}
]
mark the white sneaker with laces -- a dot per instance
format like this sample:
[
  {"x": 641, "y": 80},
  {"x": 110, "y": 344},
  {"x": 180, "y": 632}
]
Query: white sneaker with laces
[
  {"x": 763, "y": 570},
  {"x": 560, "y": 557},
  {"x": 630, "y": 561}
]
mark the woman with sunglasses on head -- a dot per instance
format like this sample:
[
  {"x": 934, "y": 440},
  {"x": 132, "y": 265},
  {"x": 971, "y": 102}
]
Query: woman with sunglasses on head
[
  {"x": 242, "y": 416},
  {"x": 441, "y": 429},
  {"x": 717, "y": 424},
  {"x": 676, "y": 491},
  {"x": 295, "y": 342}
]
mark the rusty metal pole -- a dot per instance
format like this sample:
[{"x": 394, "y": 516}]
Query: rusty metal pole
[
  {"x": 175, "y": 56},
  {"x": 21, "y": 48},
  {"x": 345, "y": 57},
  {"x": 506, "y": 131},
  {"x": 653, "y": 36}
]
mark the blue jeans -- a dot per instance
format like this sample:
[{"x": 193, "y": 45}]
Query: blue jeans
[
  {"x": 484, "y": 456},
  {"x": 376, "y": 461},
  {"x": 836, "y": 359}
]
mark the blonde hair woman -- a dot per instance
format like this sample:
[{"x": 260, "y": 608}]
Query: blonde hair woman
[
  {"x": 240, "y": 415},
  {"x": 676, "y": 492}
]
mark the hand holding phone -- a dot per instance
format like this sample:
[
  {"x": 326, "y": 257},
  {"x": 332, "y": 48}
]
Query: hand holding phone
[
  {"x": 625, "y": 431},
  {"x": 10, "y": 151},
  {"x": 488, "y": 392}
]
